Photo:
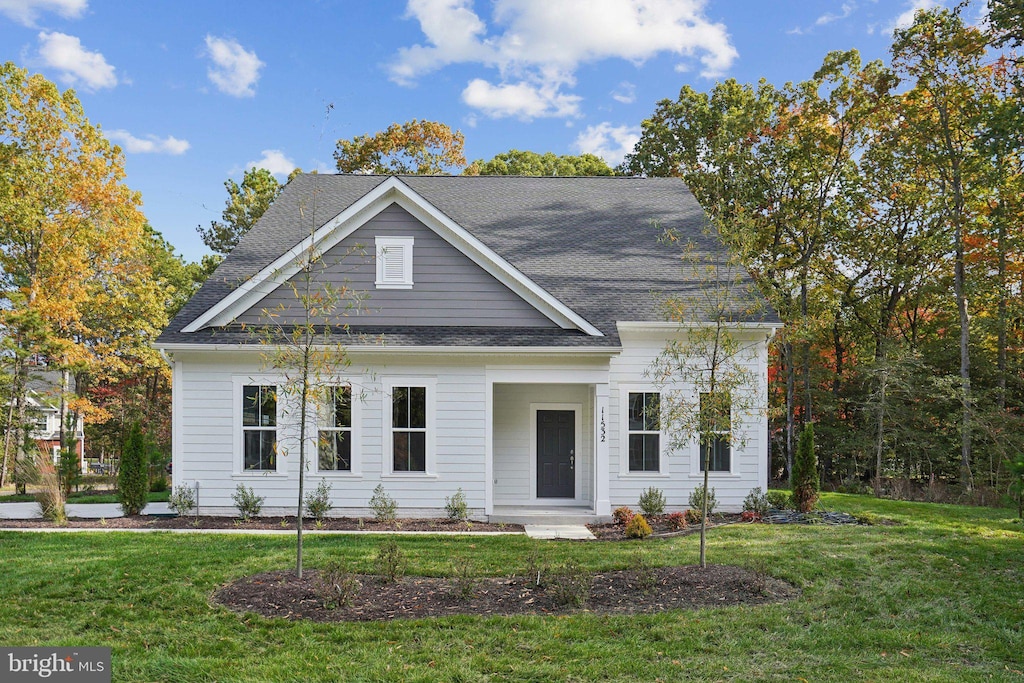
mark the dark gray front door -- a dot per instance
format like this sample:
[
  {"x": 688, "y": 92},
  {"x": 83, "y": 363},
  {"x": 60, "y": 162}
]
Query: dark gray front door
[{"x": 556, "y": 454}]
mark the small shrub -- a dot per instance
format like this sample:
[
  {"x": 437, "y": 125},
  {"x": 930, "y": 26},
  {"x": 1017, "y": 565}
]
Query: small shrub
[
  {"x": 692, "y": 516},
  {"x": 390, "y": 562},
  {"x": 41, "y": 471},
  {"x": 133, "y": 472},
  {"x": 337, "y": 585},
  {"x": 756, "y": 502},
  {"x": 536, "y": 567},
  {"x": 248, "y": 503},
  {"x": 318, "y": 501},
  {"x": 806, "y": 484},
  {"x": 697, "y": 500},
  {"x": 622, "y": 515},
  {"x": 750, "y": 516},
  {"x": 463, "y": 581},
  {"x": 677, "y": 521},
  {"x": 638, "y": 528},
  {"x": 158, "y": 485},
  {"x": 182, "y": 500},
  {"x": 456, "y": 507},
  {"x": 570, "y": 585},
  {"x": 384, "y": 506},
  {"x": 69, "y": 468},
  {"x": 652, "y": 502},
  {"x": 777, "y": 500},
  {"x": 646, "y": 577}
]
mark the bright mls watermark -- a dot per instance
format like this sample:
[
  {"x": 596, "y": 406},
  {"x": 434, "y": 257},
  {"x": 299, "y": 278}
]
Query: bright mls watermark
[{"x": 57, "y": 664}]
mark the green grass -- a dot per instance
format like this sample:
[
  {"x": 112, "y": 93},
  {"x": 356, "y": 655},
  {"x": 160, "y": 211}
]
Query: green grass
[
  {"x": 87, "y": 497},
  {"x": 937, "y": 598}
]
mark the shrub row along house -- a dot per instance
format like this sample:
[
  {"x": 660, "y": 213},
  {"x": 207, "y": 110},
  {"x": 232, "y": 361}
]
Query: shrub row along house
[{"x": 502, "y": 346}]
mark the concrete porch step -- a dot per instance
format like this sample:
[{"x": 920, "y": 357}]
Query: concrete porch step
[{"x": 543, "y": 516}]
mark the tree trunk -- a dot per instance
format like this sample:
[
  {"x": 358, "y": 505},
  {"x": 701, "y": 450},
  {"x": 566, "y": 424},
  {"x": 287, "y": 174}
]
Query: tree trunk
[
  {"x": 303, "y": 419},
  {"x": 790, "y": 407},
  {"x": 10, "y": 430}
]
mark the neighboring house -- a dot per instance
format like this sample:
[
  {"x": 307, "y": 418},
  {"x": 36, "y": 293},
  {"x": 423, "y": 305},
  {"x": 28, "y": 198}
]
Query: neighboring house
[
  {"x": 518, "y": 317},
  {"x": 43, "y": 402}
]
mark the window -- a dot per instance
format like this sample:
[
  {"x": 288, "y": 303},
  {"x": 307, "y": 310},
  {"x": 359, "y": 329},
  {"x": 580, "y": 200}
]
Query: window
[
  {"x": 715, "y": 417},
  {"x": 335, "y": 439},
  {"x": 644, "y": 432},
  {"x": 394, "y": 262},
  {"x": 259, "y": 427},
  {"x": 409, "y": 429}
]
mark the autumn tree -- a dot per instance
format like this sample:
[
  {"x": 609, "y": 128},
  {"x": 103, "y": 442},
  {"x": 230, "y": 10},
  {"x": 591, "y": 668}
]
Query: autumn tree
[
  {"x": 526, "y": 163},
  {"x": 414, "y": 147},
  {"x": 244, "y": 206},
  {"x": 76, "y": 291}
]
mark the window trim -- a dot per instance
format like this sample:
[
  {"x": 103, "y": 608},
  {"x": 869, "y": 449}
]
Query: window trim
[
  {"x": 695, "y": 470},
  {"x": 663, "y": 464},
  {"x": 384, "y": 244},
  {"x": 388, "y": 385},
  {"x": 239, "y": 382},
  {"x": 355, "y": 434}
]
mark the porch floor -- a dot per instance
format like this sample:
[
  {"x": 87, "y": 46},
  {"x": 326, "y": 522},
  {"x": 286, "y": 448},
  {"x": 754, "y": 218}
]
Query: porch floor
[{"x": 544, "y": 516}]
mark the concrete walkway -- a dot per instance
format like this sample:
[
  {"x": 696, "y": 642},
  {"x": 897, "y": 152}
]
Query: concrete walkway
[
  {"x": 575, "y": 532},
  {"x": 81, "y": 510}
]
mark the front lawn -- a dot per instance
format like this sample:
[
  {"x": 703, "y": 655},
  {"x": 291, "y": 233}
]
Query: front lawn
[{"x": 939, "y": 597}]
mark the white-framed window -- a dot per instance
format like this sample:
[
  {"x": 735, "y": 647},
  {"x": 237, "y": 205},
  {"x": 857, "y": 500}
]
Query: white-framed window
[
  {"x": 394, "y": 262},
  {"x": 259, "y": 427},
  {"x": 409, "y": 426},
  {"x": 643, "y": 431},
  {"x": 716, "y": 414},
  {"x": 335, "y": 438}
]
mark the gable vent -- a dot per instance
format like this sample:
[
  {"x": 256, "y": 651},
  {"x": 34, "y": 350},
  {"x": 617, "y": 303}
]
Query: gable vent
[{"x": 394, "y": 262}]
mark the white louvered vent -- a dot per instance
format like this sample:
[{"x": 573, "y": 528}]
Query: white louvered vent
[{"x": 394, "y": 262}]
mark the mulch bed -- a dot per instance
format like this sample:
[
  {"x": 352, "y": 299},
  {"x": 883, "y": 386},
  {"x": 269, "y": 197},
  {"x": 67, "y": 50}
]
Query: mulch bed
[
  {"x": 661, "y": 527},
  {"x": 280, "y": 595},
  {"x": 262, "y": 524}
]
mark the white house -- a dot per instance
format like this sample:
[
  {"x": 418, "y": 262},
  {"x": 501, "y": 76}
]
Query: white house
[{"x": 503, "y": 349}]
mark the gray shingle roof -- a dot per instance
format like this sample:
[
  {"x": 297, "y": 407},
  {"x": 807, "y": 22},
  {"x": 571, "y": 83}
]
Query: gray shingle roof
[{"x": 592, "y": 243}]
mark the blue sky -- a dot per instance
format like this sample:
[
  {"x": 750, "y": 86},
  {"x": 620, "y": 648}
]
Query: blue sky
[{"x": 196, "y": 91}]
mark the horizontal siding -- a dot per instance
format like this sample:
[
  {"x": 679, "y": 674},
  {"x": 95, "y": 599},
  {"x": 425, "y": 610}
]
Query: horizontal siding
[{"x": 449, "y": 289}]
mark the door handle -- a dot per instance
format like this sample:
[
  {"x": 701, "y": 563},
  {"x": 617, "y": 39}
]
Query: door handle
[{"x": 572, "y": 460}]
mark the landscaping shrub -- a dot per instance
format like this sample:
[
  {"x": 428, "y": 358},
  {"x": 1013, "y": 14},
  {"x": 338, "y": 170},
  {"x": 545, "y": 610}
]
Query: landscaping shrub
[
  {"x": 646, "y": 577},
  {"x": 456, "y": 507},
  {"x": 652, "y": 502},
  {"x": 158, "y": 485},
  {"x": 248, "y": 503},
  {"x": 182, "y": 500},
  {"x": 750, "y": 516},
  {"x": 133, "y": 472},
  {"x": 697, "y": 501},
  {"x": 318, "y": 501},
  {"x": 692, "y": 516},
  {"x": 384, "y": 506},
  {"x": 463, "y": 580},
  {"x": 41, "y": 472},
  {"x": 777, "y": 500},
  {"x": 570, "y": 585},
  {"x": 677, "y": 521},
  {"x": 638, "y": 528},
  {"x": 390, "y": 562},
  {"x": 536, "y": 567},
  {"x": 69, "y": 469},
  {"x": 806, "y": 484},
  {"x": 337, "y": 585},
  {"x": 622, "y": 515},
  {"x": 756, "y": 502}
]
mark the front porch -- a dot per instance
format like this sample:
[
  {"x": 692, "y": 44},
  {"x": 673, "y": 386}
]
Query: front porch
[{"x": 547, "y": 449}]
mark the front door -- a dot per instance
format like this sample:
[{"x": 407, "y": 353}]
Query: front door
[{"x": 556, "y": 454}]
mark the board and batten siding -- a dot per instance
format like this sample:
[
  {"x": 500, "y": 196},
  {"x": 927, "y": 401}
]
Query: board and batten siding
[
  {"x": 206, "y": 450},
  {"x": 749, "y": 466},
  {"x": 448, "y": 288}
]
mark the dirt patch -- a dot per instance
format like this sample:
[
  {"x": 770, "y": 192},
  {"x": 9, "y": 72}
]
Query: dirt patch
[
  {"x": 281, "y": 595},
  {"x": 662, "y": 526},
  {"x": 262, "y": 524}
]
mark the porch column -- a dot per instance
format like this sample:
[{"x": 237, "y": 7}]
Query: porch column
[{"x": 602, "y": 466}]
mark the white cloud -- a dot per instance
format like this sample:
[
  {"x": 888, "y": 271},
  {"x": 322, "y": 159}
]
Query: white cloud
[
  {"x": 611, "y": 143},
  {"x": 76, "y": 64},
  {"x": 523, "y": 100},
  {"x": 151, "y": 144},
  {"x": 275, "y": 161},
  {"x": 27, "y": 11},
  {"x": 537, "y": 45},
  {"x": 235, "y": 70},
  {"x": 625, "y": 93},
  {"x": 827, "y": 18},
  {"x": 906, "y": 19}
]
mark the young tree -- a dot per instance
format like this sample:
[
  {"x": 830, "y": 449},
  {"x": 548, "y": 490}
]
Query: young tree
[
  {"x": 805, "y": 472},
  {"x": 245, "y": 204},
  {"x": 414, "y": 147},
  {"x": 133, "y": 472},
  {"x": 301, "y": 337},
  {"x": 707, "y": 370}
]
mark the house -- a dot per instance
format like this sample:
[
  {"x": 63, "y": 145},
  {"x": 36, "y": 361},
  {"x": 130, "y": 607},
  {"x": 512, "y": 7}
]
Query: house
[
  {"x": 43, "y": 409},
  {"x": 501, "y": 349}
]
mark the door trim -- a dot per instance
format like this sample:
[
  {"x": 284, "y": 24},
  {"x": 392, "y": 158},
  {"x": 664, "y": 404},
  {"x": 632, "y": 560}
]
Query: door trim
[{"x": 577, "y": 409}]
